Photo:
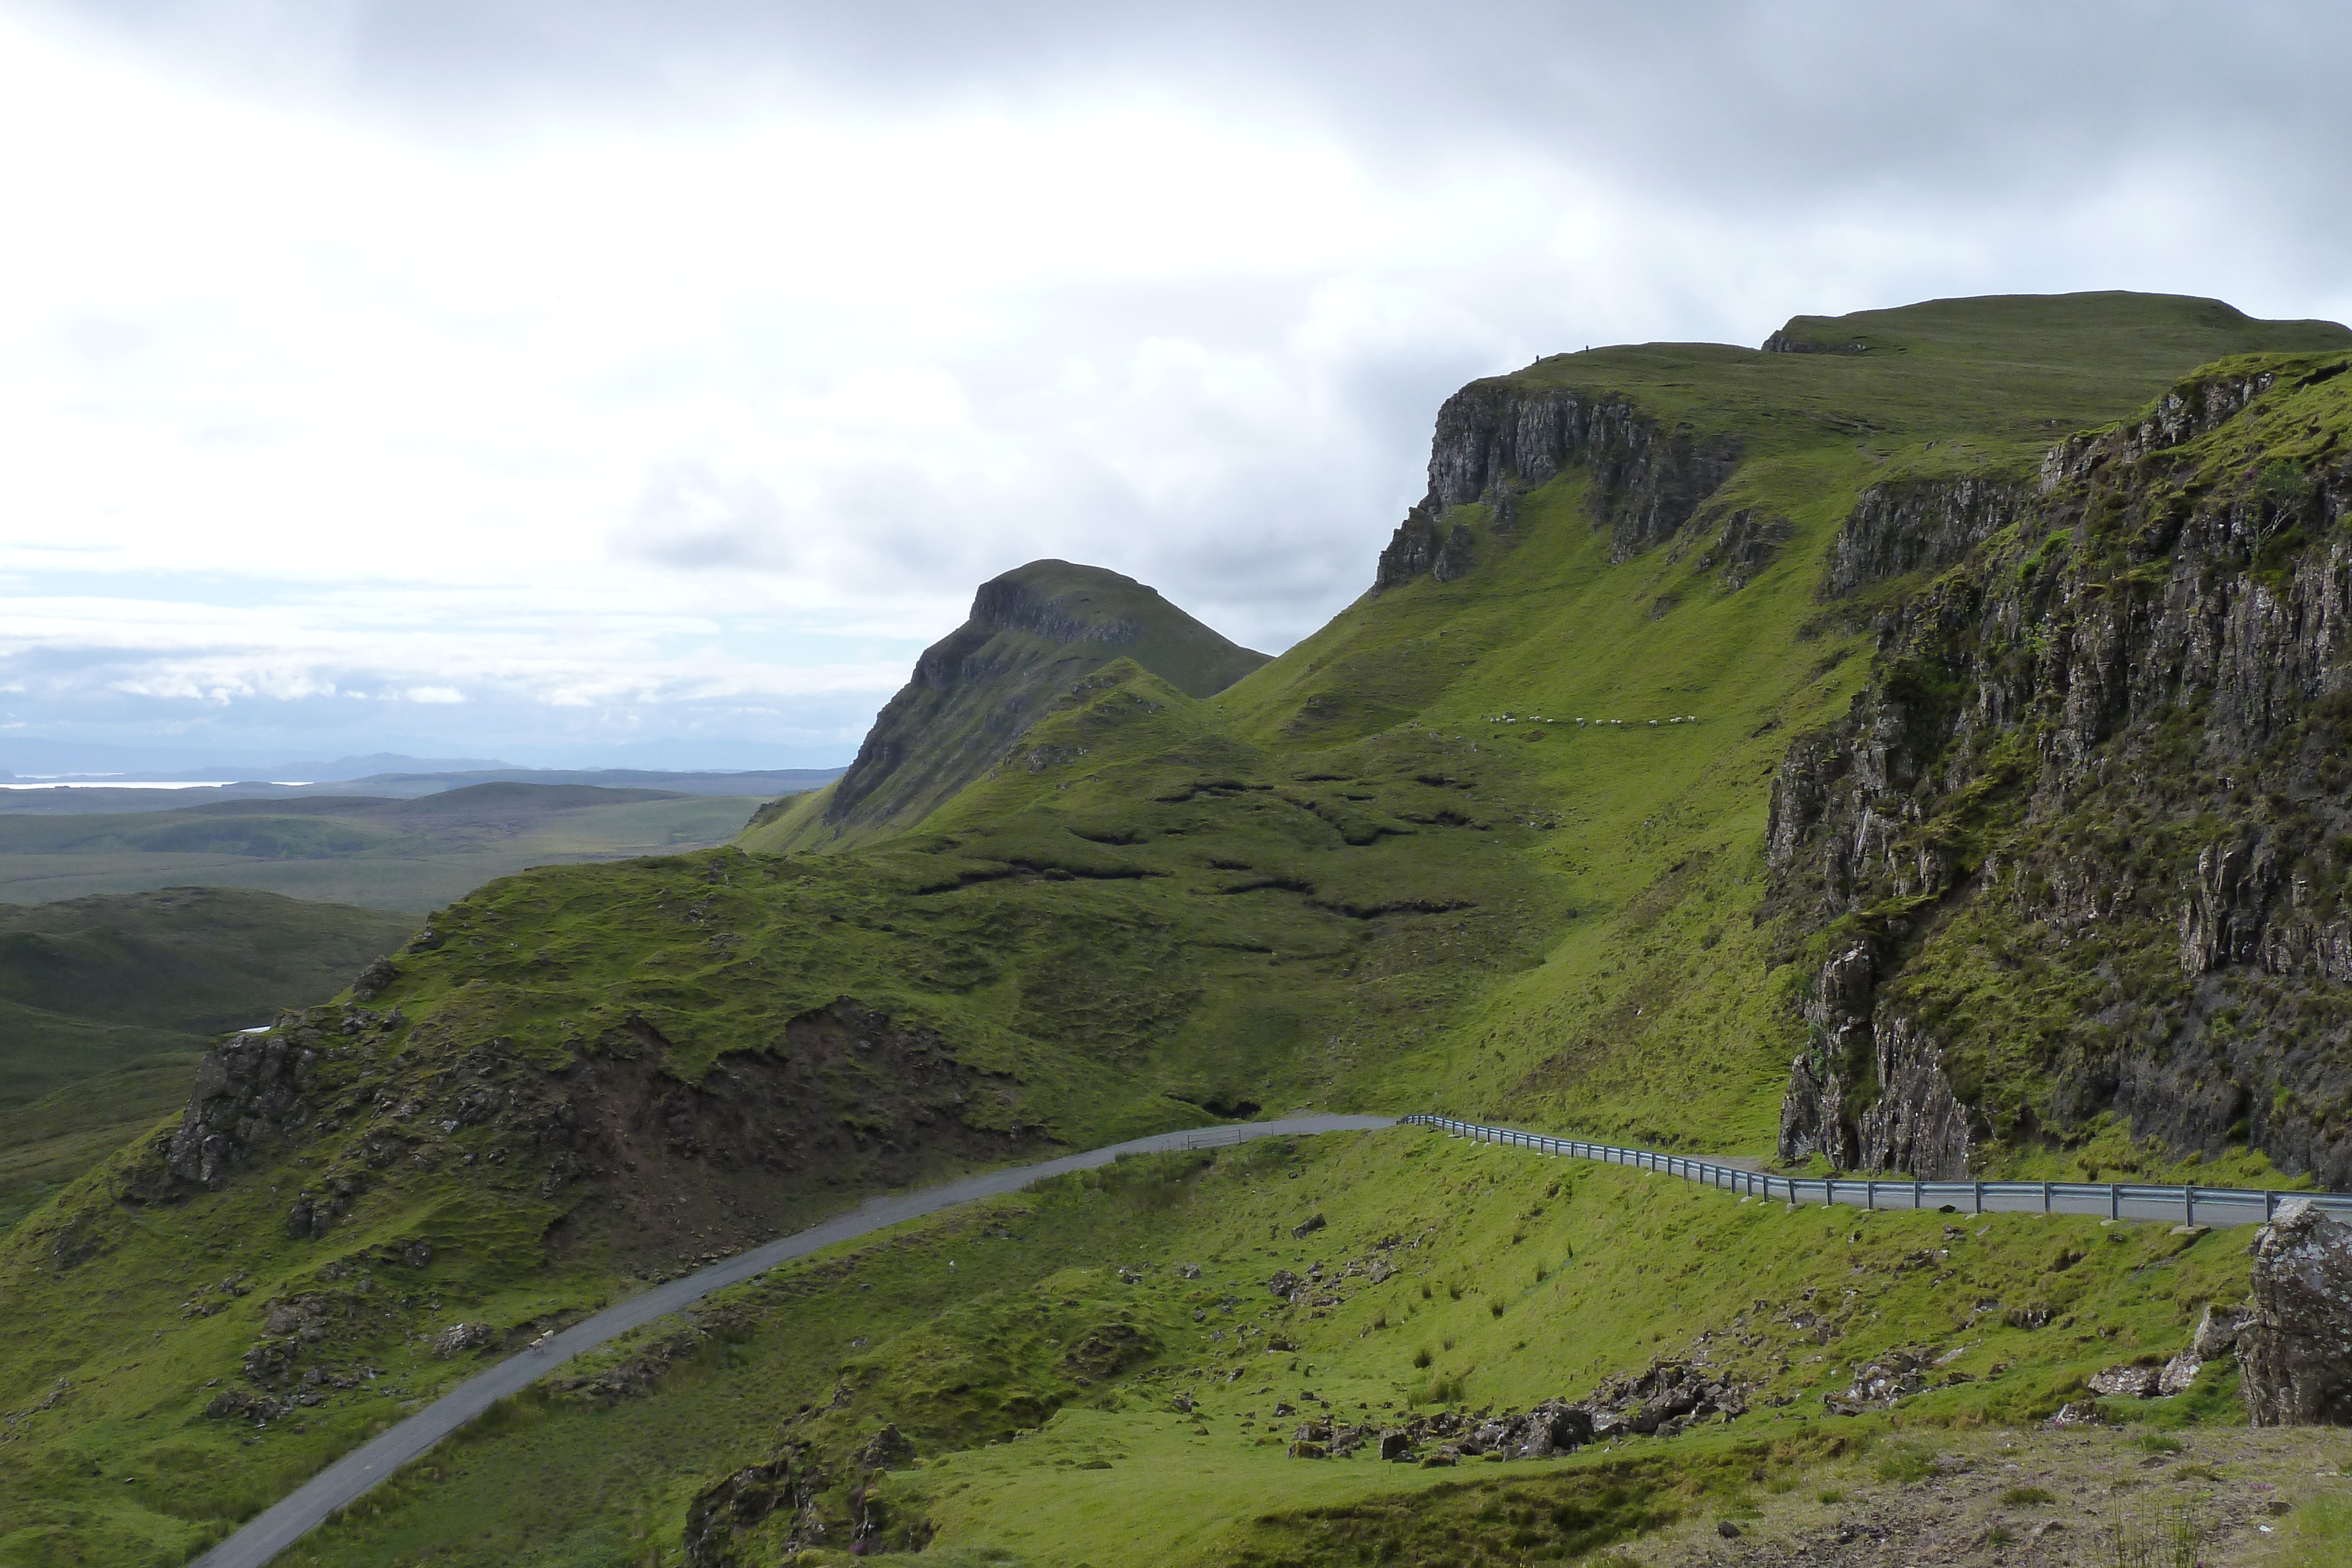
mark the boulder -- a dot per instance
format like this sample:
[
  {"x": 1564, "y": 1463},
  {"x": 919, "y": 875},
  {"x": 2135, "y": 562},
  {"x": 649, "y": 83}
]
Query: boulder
[
  {"x": 1568, "y": 1426},
  {"x": 372, "y": 979},
  {"x": 1306, "y": 1227},
  {"x": 1396, "y": 1445},
  {"x": 2296, "y": 1347},
  {"x": 1284, "y": 1283}
]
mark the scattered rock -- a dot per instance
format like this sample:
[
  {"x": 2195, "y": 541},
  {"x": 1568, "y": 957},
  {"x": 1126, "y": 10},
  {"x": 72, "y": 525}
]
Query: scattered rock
[
  {"x": 888, "y": 1449},
  {"x": 237, "y": 1403},
  {"x": 459, "y": 1338},
  {"x": 2125, "y": 1383},
  {"x": 1306, "y": 1227},
  {"x": 1896, "y": 1375}
]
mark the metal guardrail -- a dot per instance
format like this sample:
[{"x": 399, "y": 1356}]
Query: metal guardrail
[{"x": 2115, "y": 1200}]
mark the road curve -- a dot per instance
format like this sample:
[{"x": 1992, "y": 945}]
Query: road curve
[{"x": 307, "y": 1507}]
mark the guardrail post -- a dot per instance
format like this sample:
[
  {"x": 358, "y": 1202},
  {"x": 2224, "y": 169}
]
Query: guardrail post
[
  {"x": 1829, "y": 1191},
  {"x": 2045, "y": 1198},
  {"x": 2115, "y": 1200},
  {"x": 2270, "y": 1206},
  {"x": 1979, "y": 1197},
  {"x": 1869, "y": 1195},
  {"x": 2189, "y": 1205},
  {"x": 1918, "y": 1195}
]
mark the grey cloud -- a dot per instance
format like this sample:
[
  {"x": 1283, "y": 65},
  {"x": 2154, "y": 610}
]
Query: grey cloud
[{"x": 1740, "y": 99}]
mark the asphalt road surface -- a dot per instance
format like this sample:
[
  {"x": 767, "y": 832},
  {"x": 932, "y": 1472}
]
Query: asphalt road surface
[{"x": 304, "y": 1510}]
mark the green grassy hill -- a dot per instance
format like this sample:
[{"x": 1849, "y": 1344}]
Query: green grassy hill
[
  {"x": 379, "y": 853},
  {"x": 1037, "y": 634},
  {"x": 1548, "y": 827}
]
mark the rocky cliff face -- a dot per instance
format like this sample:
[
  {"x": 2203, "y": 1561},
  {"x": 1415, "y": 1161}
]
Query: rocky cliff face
[
  {"x": 2082, "y": 844},
  {"x": 1498, "y": 438},
  {"x": 1923, "y": 524},
  {"x": 1033, "y": 634}
]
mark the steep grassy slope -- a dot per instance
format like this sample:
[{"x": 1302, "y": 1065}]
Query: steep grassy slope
[
  {"x": 1034, "y": 633},
  {"x": 385, "y": 853},
  {"x": 1497, "y": 840}
]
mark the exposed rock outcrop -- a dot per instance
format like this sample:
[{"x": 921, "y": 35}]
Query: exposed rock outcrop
[
  {"x": 1920, "y": 524},
  {"x": 248, "y": 1092},
  {"x": 1498, "y": 438},
  {"x": 848, "y": 1090},
  {"x": 2296, "y": 1347},
  {"x": 737, "y": 1503}
]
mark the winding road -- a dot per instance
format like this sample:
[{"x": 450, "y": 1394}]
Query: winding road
[{"x": 349, "y": 1478}]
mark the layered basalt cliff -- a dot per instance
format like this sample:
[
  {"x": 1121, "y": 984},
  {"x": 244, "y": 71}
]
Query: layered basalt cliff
[
  {"x": 2082, "y": 844},
  {"x": 1916, "y": 525},
  {"x": 1033, "y": 634},
  {"x": 1497, "y": 439}
]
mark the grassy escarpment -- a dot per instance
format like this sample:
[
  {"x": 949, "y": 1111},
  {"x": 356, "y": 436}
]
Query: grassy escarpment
[{"x": 1439, "y": 854}]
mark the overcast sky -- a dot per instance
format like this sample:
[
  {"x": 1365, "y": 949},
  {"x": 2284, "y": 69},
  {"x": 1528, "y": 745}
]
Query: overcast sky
[{"x": 569, "y": 380}]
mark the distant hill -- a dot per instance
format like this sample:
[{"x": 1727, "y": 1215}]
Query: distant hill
[
  {"x": 378, "y": 851},
  {"x": 1035, "y": 635},
  {"x": 53, "y": 800}
]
